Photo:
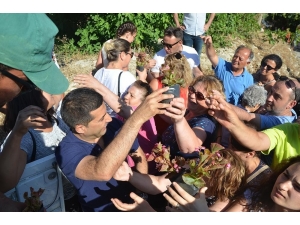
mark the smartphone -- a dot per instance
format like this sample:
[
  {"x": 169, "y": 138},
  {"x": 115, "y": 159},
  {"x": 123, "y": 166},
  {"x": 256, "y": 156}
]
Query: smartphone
[{"x": 175, "y": 90}]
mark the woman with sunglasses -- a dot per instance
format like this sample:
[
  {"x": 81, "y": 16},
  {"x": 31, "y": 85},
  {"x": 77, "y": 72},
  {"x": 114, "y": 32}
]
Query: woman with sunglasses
[
  {"x": 193, "y": 128},
  {"x": 113, "y": 76},
  {"x": 267, "y": 74},
  {"x": 177, "y": 64}
]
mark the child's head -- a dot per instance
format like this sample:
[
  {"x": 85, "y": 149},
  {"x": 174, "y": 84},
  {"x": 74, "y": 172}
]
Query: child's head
[
  {"x": 127, "y": 31},
  {"x": 254, "y": 97},
  {"x": 224, "y": 182},
  {"x": 137, "y": 93}
]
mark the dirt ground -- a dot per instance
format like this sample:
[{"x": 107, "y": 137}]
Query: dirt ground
[{"x": 259, "y": 45}]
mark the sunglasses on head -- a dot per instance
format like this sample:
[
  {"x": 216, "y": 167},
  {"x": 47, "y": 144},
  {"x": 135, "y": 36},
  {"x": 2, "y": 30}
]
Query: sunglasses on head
[
  {"x": 264, "y": 64},
  {"x": 198, "y": 94},
  {"x": 289, "y": 83},
  {"x": 177, "y": 55},
  {"x": 129, "y": 53},
  {"x": 169, "y": 46}
]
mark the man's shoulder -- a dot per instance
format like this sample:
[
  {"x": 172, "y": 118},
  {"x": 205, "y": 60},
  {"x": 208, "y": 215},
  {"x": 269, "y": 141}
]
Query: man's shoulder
[
  {"x": 160, "y": 53},
  {"x": 188, "y": 49}
]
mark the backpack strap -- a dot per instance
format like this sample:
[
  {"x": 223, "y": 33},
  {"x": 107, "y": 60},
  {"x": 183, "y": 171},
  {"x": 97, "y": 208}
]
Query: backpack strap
[
  {"x": 257, "y": 173},
  {"x": 34, "y": 147},
  {"x": 119, "y": 93}
]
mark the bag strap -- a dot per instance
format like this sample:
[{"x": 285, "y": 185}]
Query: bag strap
[
  {"x": 34, "y": 147},
  {"x": 119, "y": 93},
  {"x": 257, "y": 173}
]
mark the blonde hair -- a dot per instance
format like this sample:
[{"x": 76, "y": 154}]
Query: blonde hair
[
  {"x": 115, "y": 47},
  {"x": 180, "y": 67},
  {"x": 211, "y": 83},
  {"x": 225, "y": 182}
]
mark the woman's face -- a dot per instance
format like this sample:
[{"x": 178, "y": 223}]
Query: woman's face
[
  {"x": 268, "y": 67},
  {"x": 286, "y": 190},
  {"x": 48, "y": 100},
  {"x": 195, "y": 103},
  {"x": 133, "y": 96},
  {"x": 130, "y": 37}
]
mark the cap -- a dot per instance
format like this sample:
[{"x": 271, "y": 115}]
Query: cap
[{"x": 26, "y": 43}]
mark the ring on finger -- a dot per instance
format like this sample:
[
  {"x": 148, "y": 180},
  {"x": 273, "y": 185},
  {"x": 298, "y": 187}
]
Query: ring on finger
[{"x": 177, "y": 206}]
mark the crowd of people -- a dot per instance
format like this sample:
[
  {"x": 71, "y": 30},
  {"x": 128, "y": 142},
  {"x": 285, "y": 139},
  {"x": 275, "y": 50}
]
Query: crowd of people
[{"x": 102, "y": 132}]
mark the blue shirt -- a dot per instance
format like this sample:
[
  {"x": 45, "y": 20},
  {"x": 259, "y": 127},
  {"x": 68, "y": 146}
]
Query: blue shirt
[
  {"x": 234, "y": 85},
  {"x": 94, "y": 196},
  {"x": 268, "y": 121}
]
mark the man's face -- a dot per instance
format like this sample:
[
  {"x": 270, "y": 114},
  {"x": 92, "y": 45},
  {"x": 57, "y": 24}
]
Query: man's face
[
  {"x": 97, "y": 127},
  {"x": 172, "y": 44},
  {"x": 279, "y": 98},
  {"x": 9, "y": 88},
  {"x": 240, "y": 59}
]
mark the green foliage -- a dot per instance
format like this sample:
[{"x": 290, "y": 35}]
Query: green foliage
[{"x": 87, "y": 32}]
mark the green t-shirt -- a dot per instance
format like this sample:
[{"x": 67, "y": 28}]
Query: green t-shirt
[{"x": 285, "y": 141}]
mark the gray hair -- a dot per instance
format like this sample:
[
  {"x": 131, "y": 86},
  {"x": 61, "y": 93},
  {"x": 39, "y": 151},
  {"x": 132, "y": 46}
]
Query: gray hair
[{"x": 255, "y": 94}]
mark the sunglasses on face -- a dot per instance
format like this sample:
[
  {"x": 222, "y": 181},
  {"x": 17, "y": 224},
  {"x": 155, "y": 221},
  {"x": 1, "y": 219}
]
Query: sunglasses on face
[
  {"x": 169, "y": 46},
  {"x": 264, "y": 64},
  {"x": 129, "y": 53},
  {"x": 198, "y": 94},
  {"x": 289, "y": 83}
]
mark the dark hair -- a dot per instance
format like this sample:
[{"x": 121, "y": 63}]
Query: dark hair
[
  {"x": 237, "y": 146},
  {"x": 30, "y": 97},
  {"x": 275, "y": 58},
  {"x": 145, "y": 87},
  {"x": 115, "y": 47},
  {"x": 251, "y": 54},
  {"x": 174, "y": 31},
  {"x": 125, "y": 27},
  {"x": 77, "y": 105}
]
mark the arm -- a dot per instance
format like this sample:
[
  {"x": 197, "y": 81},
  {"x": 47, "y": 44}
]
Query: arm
[
  {"x": 106, "y": 164},
  {"x": 210, "y": 50},
  {"x": 145, "y": 182},
  {"x": 176, "y": 20},
  {"x": 109, "y": 97},
  {"x": 182, "y": 129},
  {"x": 211, "y": 18},
  {"x": 8, "y": 205},
  {"x": 197, "y": 72},
  {"x": 99, "y": 63},
  {"x": 140, "y": 161},
  {"x": 12, "y": 159},
  {"x": 222, "y": 112}
]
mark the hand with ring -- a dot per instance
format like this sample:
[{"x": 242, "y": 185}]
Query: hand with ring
[{"x": 184, "y": 202}]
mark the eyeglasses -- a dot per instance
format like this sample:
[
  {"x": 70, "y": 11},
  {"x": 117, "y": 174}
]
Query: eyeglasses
[
  {"x": 26, "y": 84},
  {"x": 264, "y": 64},
  {"x": 129, "y": 53},
  {"x": 289, "y": 84},
  {"x": 169, "y": 46},
  {"x": 198, "y": 94}
]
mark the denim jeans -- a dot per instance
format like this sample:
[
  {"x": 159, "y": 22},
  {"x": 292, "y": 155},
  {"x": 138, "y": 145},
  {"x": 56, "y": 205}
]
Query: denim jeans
[{"x": 193, "y": 41}]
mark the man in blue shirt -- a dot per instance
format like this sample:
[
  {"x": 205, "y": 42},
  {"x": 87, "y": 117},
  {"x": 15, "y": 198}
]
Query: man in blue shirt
[
  {"x": 234, "y": 75},
  {"x": 90, "y": 154}
]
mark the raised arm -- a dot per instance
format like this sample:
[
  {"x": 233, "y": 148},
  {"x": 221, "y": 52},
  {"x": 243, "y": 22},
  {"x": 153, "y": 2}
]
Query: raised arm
[
  {"x": 12, "y": 158},
  {"x": 223, "y": 113},
  {"x": 182, "y": 129},
  {"x": 109, "y": 97},
  {"x": 106, "y": 164},
  {"x": 210, "y": 50}
]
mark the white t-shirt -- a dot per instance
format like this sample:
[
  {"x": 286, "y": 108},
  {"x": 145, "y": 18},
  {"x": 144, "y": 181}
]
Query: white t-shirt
[
  {"x": 189, "y": 52},
  {"x": 109, "y": 78}
]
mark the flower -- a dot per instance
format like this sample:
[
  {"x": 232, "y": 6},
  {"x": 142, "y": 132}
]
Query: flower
[
  {"x": 198, "y": 169},
  {"x": 33, "y": 203}
]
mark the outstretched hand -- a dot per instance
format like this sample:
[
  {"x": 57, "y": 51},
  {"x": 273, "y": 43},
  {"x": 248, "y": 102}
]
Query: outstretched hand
[
  {"x": 206, "y": 39},
  {"x": 184, "y": 202},
  {"x": 139, "y": 205},
  {"x": 177, "y": 110},
  {"x": 85, "y": 80}
]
